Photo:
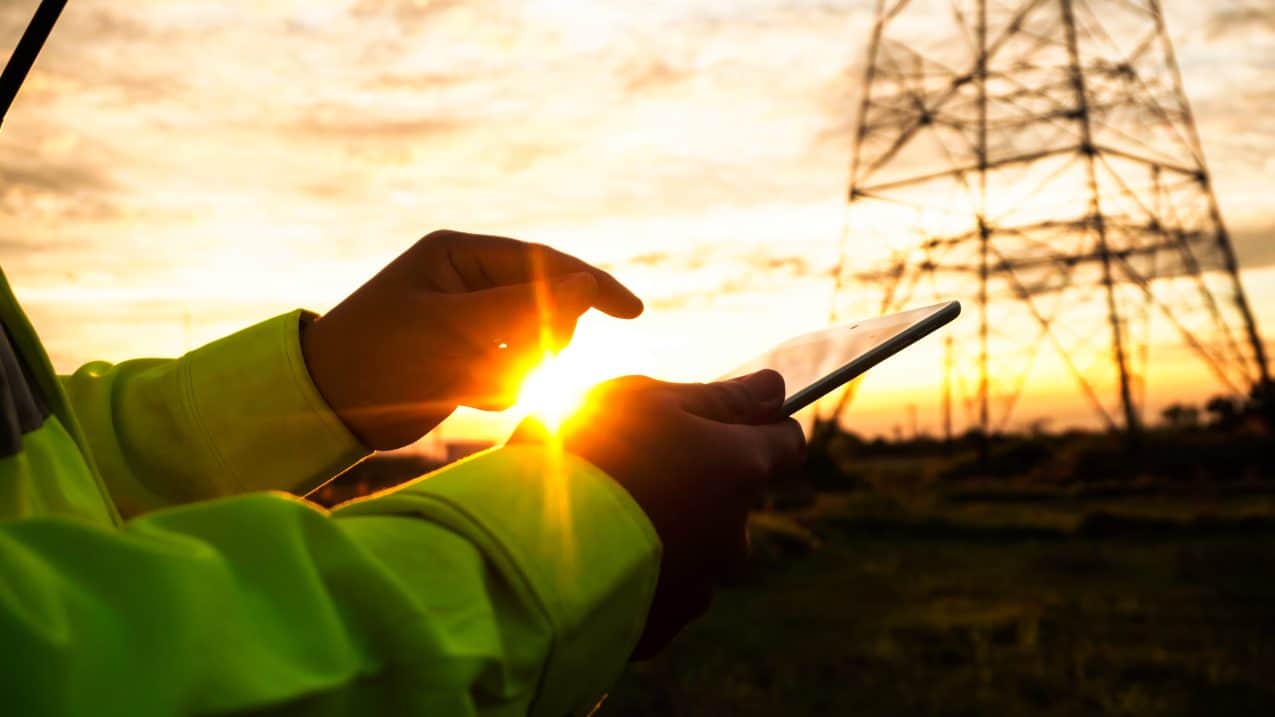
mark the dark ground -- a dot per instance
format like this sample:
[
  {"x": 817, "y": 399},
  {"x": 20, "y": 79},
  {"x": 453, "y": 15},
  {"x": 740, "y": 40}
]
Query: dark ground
[
  {"x": 1139, "y": 598},
  {"x": 1058, "y": 575}
]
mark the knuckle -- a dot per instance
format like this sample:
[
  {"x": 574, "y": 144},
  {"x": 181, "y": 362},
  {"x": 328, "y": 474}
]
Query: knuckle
[
  {"x": 722, "y": 392},
  {"x": 709, "y": 393},
  {"x": 439, "y": 236},
  {"x": 633, "y": 382},
  {"x": 724, "y": 396},
  {"x": 758, "y": 464},
  {"x": 739, "y": 397},
  {"x": 621, "y": 386},
  {"x": 437, "y": 243}
]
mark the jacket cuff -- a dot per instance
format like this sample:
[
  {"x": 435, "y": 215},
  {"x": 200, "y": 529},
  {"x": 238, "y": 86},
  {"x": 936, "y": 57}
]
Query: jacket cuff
[
  {"x": 270, "y": 428},
  {"x": 567, "y": 537}
]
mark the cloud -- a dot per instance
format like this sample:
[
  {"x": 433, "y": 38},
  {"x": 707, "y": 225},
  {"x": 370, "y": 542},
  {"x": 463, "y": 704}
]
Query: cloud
[
  {"x": 103, "y": 25},
  {"x": 354, "y": 123},
  {"x": 748, "y": 261},
  {"x": 655, "y": 258},
  {"x": 652, "y": 73},
  {"x": 61, "y": 190},
  {"x": 416, "y": 82},
  {"x": 1254, "y": 245},
  {"x": 50, "y": 177},
  {"x": 98, "y": 52},
  {"x": 410, "y": 15},
  {"x": 11, "y": 245},
  {"x": 14, "y": 17},
  {"x": 707, "y": 294},
  {"x": 1248, "y": 17}
]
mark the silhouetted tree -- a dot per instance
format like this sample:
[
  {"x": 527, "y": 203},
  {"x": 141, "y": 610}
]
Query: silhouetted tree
[
  {"x": 1226, "y": 412},
  {"x": 1181, "y": 417}
]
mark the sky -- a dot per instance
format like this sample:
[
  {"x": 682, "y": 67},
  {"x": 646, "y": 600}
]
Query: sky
[{"x": 176, "y": 170}]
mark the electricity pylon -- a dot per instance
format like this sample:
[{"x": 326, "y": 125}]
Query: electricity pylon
[{"x": 1038, "y": 158}]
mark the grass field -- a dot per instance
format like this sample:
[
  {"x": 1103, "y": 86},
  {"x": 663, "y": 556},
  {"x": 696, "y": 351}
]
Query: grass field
[{"x": 1137, "y": 599}]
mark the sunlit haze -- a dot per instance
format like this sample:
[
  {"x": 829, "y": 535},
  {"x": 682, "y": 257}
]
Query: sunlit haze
[
  {"x": 176, "y": 170},
  {"x": 557, "y": 387}
]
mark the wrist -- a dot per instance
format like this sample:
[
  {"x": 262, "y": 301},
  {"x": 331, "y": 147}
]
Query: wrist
[
  {"x": 321, "y": 376},
  {"x": 368, "y": 390},
  {"x": 337, "y": 374}
]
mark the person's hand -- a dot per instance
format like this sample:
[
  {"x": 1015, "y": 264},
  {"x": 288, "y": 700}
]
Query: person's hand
[
  {"x": 696, "y": 458},
  {"x": 458, "y": 319}
]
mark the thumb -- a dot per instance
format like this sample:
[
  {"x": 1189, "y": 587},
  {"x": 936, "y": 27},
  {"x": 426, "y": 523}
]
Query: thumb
[{"x": 754, "y": 398}]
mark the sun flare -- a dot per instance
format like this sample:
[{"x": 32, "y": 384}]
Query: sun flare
[{"x": 552, "y": 392}]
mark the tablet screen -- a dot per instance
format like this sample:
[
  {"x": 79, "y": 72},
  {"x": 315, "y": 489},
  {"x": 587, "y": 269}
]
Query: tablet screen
[{"x": 805, "y": 359}]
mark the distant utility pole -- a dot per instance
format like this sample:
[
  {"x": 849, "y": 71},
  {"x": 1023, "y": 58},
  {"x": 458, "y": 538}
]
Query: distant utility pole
[{"x": 1040, "y": 162}]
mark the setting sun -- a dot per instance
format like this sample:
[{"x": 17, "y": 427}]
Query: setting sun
[
  {"x": 556, "y": 388},
  {"x": 601, "y": 349},
  {"x": 550, "y": 393}
]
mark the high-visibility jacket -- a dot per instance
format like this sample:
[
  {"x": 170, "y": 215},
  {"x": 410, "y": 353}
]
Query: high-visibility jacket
[{"x": 147, "y": 569}]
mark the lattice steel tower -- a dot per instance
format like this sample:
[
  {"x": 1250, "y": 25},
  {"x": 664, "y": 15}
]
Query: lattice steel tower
[{"x": 1038, "y": 158}]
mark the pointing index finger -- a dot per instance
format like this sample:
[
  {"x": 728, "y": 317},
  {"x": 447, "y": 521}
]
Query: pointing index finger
[{"x": 493, "y": 261}]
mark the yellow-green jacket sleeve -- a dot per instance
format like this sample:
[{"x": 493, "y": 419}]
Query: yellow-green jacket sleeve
[
  {"x": 514, "y": 583},
  {"x": 238, "y": 415}
]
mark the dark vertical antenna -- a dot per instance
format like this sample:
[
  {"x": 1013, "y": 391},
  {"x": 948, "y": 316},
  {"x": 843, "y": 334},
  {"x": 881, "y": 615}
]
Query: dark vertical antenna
[{"x": 23, "y": 57}]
